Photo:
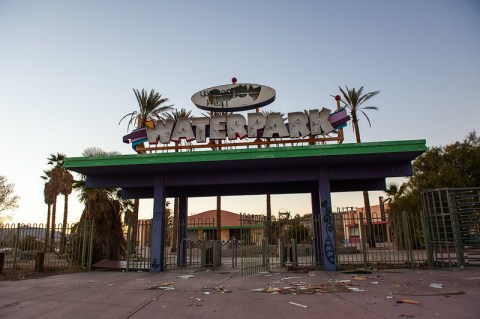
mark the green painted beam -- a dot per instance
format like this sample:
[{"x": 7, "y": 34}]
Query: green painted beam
[{"x": 249, "y": 154}]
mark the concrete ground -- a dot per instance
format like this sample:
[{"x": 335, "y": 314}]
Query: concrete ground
[{"x": 225, "y": 294}]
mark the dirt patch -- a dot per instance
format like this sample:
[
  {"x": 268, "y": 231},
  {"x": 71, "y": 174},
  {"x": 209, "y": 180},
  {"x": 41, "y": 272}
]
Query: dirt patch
[{"x": 22, "y": 274}]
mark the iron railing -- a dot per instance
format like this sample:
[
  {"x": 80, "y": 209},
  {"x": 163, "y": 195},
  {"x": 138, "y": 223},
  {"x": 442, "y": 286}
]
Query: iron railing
[
  {"x": 452, "y": 226},
  {"x": 33, "y": 247}
]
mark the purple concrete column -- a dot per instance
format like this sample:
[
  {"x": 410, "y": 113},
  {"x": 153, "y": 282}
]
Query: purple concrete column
[
  {"x": 157, "y": 254},
  {"x": 317, "y": 231},
  {"x": 328, "y": 235},
  {"x": 182, "y": 231}
]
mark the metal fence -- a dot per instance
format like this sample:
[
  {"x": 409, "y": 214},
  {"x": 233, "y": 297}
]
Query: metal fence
[
  {"x": 380, "y": 241},
  {"x": 445, "y": 234},
  {"x": 452, "y": 220},
  {"x": 198, "y": 250},
  {"x": 33, "y": 247},
  {"x": 283, "y": 243}
]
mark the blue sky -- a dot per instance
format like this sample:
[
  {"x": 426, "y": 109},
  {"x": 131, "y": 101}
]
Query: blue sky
[{"x": 67, "y": 70}]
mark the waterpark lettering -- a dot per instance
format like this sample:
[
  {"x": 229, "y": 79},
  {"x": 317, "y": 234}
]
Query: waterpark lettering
[{"x": 233, "y": 126}]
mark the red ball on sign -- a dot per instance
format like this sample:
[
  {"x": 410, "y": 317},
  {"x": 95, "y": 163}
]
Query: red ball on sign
[
  {"x": 337, "y": 98},
  {"x": 234, "y": 80}
]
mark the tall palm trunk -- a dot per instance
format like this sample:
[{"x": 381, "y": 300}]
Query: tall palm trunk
[
  {"x": 354, "y": 99},
  {"x": 134, "y": 225},
  {"x": 368, "y": 214},
  {"x": 64, "y": 225},
  {"x": 175, "y": 217},
  {"x": 52, "y": 234},
  {"x": 269, "y": 232},
  {"x": 47, "y": 227},
  {"x": 366, "y": 198},
  {"x": 175, "y": 225}
]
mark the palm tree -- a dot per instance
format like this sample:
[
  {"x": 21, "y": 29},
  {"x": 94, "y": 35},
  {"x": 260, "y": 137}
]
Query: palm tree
[
  {"x": 56, "y": 179},
  {"x": 354, "y": 101},
  {"x": 56, "y": 175},
  {"x": 104, "y": 208},
  {"x": 393, "y": 192},
  {"x": 49, "y": 197},
  {"x": 269, "y": 220},
  {"x": 150, "y": 108},
  {"x": 64, "y": 181},
  {"x": 175, "y": 115},
  {"x": 65, "y": 189}
]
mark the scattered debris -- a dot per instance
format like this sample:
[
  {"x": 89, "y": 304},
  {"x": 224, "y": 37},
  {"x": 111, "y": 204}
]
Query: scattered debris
[
  {"x": 219, "y": 289},
  {"x": 409, "y": 301},
  {"x": 472, "y": 278},
  {"x": 329, "y": 286},
  {"x": 186, "y": 276},
  {"x": 164, "y": 286},
  {"x": 297, "y": 304},
  {"x": 406, "y": 316},
  {"x": 434, "y": 285},
  {"x": 451, "y": 293},
  {"x": 288, "y": 278},
  {"x": 258, "y": 290},
  {"x": 355, "y": 289},
  {"x": 359, "y": 278},
  {"x": 195, "y": 302}
]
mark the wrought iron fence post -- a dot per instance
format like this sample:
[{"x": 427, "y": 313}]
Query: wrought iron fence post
[
  {"x": 457, "y": 240},
  {"x": 84, "y": 244},
  {"x": 335, "y": 244},
  {"x": 234, "y": 252},
  {"x": 281, "y": 252},
  {"x": 90, "y": 253},
  {"x": 427, "y": 238},
  {"x": 265, "y": 252},
  {"x": 129, "y": 233},
  {"x": 294, "y": 252},
  {"x": 363, "y": 238},
  {"x": 17, "y": 238},
  {"x": 407, "y": 239}
]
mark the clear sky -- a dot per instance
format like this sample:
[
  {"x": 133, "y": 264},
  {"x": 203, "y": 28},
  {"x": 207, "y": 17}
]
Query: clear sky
[{"x": 67, "y": 70}]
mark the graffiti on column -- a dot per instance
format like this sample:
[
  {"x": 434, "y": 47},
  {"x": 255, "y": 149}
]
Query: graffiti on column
[
  {"x": 155, "y": 263},
  {"x": 328, "y": 244}
]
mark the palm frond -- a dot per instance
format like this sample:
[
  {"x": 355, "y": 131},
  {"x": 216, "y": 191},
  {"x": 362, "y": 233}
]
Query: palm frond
[
  {"x": 365, "y": 114},
  {"x": 353, "y": 100}
]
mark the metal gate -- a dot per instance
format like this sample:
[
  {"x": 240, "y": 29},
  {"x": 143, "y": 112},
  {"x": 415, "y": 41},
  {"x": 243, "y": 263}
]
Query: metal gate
[
  {"x": 253, "y": 244},
  {"x": 197, "y": 250},
  {"x": 452, "y": 226},
  {"x": 283, "y": 243}
]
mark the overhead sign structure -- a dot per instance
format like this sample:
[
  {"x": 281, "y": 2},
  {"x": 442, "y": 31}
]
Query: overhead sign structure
[
  {"x": 234, "y": 127},
  {"x": 234, "y": 97},
  {"x": 225, "y": 128}
]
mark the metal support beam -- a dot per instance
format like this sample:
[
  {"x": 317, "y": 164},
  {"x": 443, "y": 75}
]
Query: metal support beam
[{"x": 317, "y": 230}]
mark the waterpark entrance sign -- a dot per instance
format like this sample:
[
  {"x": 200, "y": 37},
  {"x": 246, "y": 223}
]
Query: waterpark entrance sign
[
  {"x": 234, "y": 126},
  {"x": 224, "y": 124}
]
